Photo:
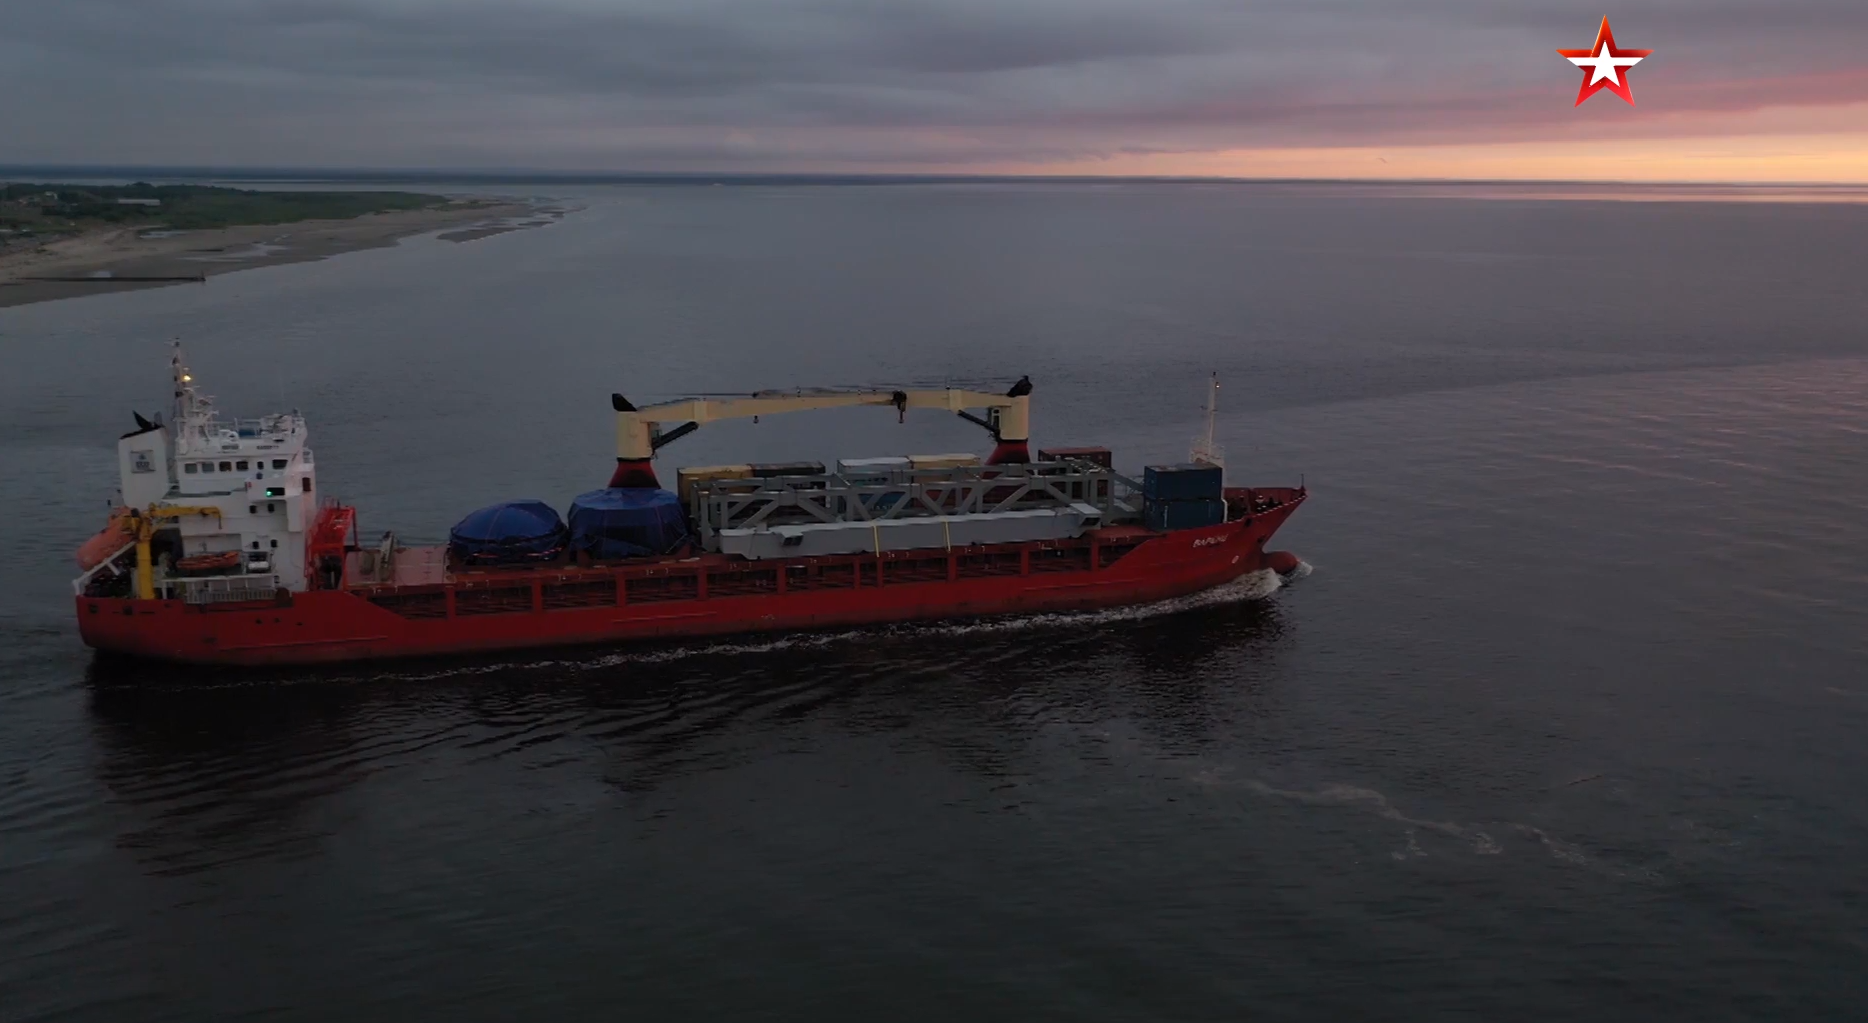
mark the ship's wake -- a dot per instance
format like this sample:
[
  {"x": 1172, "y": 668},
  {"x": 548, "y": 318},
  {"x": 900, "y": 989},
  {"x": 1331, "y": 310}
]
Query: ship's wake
[{"x": 1474, "y": 837}]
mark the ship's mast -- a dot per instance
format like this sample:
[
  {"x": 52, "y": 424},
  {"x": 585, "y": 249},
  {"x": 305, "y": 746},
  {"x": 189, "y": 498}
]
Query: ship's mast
[
  {"x": 189, "y": 404},
  {"x": 1205, "y": 450},
  {"x": 194, "y": 413}
]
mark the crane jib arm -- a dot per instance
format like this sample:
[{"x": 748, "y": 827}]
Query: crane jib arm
[{"x": 638, "y": 434}]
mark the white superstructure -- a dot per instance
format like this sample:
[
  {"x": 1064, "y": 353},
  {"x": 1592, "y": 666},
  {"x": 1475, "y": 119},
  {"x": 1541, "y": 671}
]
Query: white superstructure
[{"x": 256, "y": 473}]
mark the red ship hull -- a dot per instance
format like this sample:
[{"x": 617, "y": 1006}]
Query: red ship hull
[{"x": 549, "y": 606}]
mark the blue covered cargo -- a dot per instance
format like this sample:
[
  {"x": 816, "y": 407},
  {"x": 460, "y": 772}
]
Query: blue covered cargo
[
  {"x": 1169, "y": 515},
  {"x": 512, "y": 531},
  {"x": 1184, "y": 482},
  {"x": 627, "y": 522}
]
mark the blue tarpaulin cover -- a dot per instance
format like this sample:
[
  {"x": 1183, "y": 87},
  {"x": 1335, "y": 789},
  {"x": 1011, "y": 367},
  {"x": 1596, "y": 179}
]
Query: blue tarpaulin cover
[
  {"x": 627, "y": 522},
  {"x": 511, "y": 531}
]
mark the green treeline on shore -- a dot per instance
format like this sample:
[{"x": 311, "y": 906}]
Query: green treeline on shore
[{"x": 45, "y": 208}]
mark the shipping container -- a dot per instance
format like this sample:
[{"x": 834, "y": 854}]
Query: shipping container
[
  {"x": 767, "y": 470},
  {"x": 1184, "y": 482},
  {"x": 714, "y": 472},
  {"x": 1098, "y": 455},
  {"x": 942, "y": 461},
  {"x": 1195, "y": 514},
  {"x": 871, "y": 470},
  {"x": 686, "y": 479}
]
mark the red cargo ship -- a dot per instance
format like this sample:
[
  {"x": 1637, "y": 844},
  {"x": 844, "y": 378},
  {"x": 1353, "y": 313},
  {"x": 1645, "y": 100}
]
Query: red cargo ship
[{"x": 224, "y": 552}]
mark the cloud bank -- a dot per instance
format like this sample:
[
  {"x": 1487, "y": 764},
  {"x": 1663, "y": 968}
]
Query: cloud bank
[{"x": 889, "y": 85}]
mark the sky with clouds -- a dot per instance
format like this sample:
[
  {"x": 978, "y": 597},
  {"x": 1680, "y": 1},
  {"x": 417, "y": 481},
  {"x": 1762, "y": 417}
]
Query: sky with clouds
[{"x": 1735, "y": 90}]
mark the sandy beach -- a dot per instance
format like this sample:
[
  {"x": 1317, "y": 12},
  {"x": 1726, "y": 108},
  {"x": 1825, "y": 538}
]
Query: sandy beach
[{"x": 105, "y": 256}]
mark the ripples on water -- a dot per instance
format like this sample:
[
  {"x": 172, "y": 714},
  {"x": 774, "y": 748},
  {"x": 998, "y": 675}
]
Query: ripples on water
[{"x": 1566, "y": 721}]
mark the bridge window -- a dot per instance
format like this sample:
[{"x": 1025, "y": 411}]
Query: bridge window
[
  {"x": 227, "y": 467},
  {"x": 207, "y": 466},
  {"x": 240, "y": 466},
  {"x": 278, "y": 463},
  {"x": 190, "y": 468}
]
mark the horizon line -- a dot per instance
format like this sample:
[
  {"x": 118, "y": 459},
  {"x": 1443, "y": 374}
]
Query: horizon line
[{"x": 524, "y": 174}]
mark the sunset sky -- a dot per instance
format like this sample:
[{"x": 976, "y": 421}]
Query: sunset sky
[{"x": 1736, "y": 90}]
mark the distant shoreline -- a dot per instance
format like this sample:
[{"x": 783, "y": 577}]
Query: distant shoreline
[
  {"x": 105, "y": 254},
  {"x": 462, "y": 178}
]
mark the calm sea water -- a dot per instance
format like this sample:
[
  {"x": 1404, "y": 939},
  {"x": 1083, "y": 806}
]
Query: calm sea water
[{"x": 1568, "y": 722}]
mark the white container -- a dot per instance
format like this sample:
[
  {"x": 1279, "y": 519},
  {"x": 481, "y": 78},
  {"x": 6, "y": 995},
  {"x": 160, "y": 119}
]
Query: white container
[
  {"x": 942, "y": 461},
  {"x": 932, "y": 533},
  {"x": 871, "y": 470}
]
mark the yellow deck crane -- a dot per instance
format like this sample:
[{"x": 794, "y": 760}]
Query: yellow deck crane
[
  {"x": 639, "y": 436},
  {"x": 143, "y": 524}
]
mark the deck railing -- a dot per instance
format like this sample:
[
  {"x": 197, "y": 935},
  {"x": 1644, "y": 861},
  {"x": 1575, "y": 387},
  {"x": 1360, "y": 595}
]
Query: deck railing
[
  {"x": 224, "y": 589},
  {"x": 909, "y": 493}
]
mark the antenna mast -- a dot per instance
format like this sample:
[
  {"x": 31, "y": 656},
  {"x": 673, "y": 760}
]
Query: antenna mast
[{"x": 1205, "y": 450}]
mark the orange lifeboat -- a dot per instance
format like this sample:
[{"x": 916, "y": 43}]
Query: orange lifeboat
[
  {"x": 198, "y": 564},
  {"x": 109, "y": 540}
]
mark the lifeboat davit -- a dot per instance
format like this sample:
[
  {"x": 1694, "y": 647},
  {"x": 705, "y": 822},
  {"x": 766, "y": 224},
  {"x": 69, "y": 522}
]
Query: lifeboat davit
[
  {"x": 1282, "y": 562},
  {"x": 107, "y": 541}
]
